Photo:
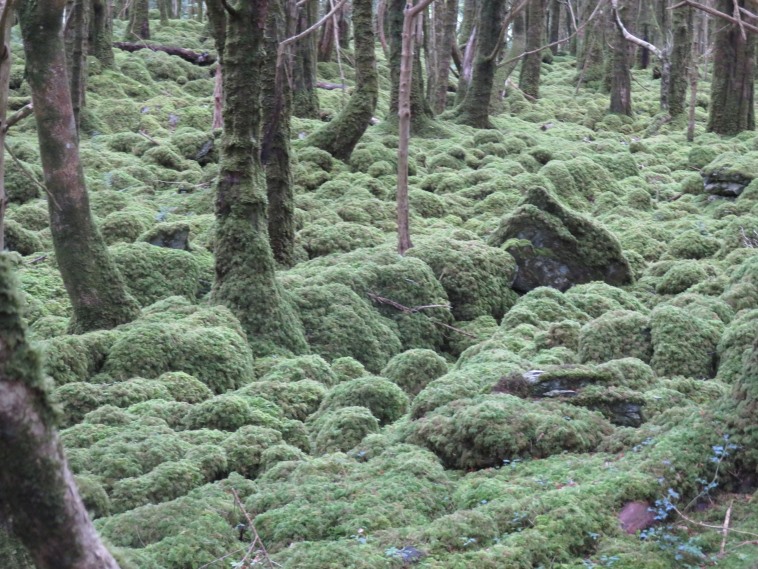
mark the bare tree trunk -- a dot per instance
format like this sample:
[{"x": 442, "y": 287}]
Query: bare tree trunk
[
  {"x": 518, "y": 45},
  {"x": 681, "y": 54},
  {"x": 101, "y": 33},
  {"x": 218, "y": 98},
  {"x": 340, "y": 136},
  {"x": 6, "y": 21},
  {"x": 37, "y": 491},
  {"x": 139, "y": 25},
  {"x": 732, "y": 108},
  {"x": 304, "y": 95},
  {"x": 529, "y": 79},
  {"x": 445, "y": 14},
  {"x": 94, "y": 285},
  {"x": 693, "y": 78},
  {"x": 164, "y": 8},
  {"x": 404, "y": 123},
  {"x": 467, "y": 66},
  {"x": 555, "y": 25},
  {"x": 76, "y": 38},
  {"x": 621, "y": 78},
  {"x": 245, "y": 268}
]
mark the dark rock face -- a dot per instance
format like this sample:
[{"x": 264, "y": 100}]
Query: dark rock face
[
  {"x": 556, "y": 247},
  {"x": 170, "y": 235}
]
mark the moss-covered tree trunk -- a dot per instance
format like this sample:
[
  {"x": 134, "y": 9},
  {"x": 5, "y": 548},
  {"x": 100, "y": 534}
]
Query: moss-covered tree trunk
[
  {"x": 469, "y": 20},
  {"x": 304, "y": 94},
  {"x": 245, "y": 266},
  {"x": 101, "y": 33},
  {"x": 445, "y": 15},
  {"x": 94, "y": 285},
  {"x": 529, "y": 78},
  {"x": 421, "y": 112},
  {"x": 475, "y": 108},
  {"x": 742, "y": 409},
  {"x": 6, "y": 21},
  {"x": 76, "y": 37},
  {"x": 139, "y": 24},
  {"x": 732, "y": 107},
  {"x": 621, "y": 77},
  {"x": 681, "y": 57},
  {"x": 275, "y": 154},
  {"x": 38, "y": 495},
  {"x": 340, "y": 136},
  {"x": 164, "y": 8}
]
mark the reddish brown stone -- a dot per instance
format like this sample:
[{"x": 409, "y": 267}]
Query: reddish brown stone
[{"x": 635, "y": 516}]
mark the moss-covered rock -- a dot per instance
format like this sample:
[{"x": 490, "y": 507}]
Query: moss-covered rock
[
  {"x": 555, "y": 247},
  {"x": 614, "y": 335},
  {"x": 245, "y": 447},
  {"x": 412, "y": 370},
  {"x": 681, "y": 276},
  {"x": 310, "y": 367},
  {"x": 184, "y": 387},
  {"x": 229, "y": 412},
  {"x": 386, "y": 401},
  {"x": 339, "y": 430},
  {"x": 729, "y": 173}
]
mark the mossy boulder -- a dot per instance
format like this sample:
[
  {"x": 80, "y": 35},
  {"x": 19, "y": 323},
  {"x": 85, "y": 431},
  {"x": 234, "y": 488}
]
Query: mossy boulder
[
  {"x": 20, "y": 239},
  {"x": 229, "y": 412},
  {"x": 476, "y": 277},
  {"x": 77, "y": 358},
  {"x": 386, "y": 401},
  {"x": 693, "y": 244},
  {"x": 682, "y": 275},
  {"x": 122, "y": 227},
  {"x": 614, "y": 335},
  {"x": 319, "y": 239},
  {"x": 488, "y": 430},
  {"x": 412, "y": 370},
  {"x": 558, "y": 248},
  {"x": 339, "y": 430},
  {"x": 184, "y": 387},
  {"x": 245, "y": 447},
  {"x": 735, "y": 345},
  {"x": 309, "y": 367},
  {"x": 730, "y": 173},
  {"x": 298, "y": 400}
]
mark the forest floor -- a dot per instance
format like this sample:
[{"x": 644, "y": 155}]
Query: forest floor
[{"x": 409, "y": 437}]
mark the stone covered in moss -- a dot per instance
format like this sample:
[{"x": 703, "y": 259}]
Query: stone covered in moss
[
  {"x": 18, "y": 238},
  {"x": 477, "y": 278},
  {"x": 311, "y": 367},
  {"x": 614, "y": 335},
  {"x": 184, "y": 387},
  {"x": 681, "y": 276},
  {"x": 229, "y": 412},
  {"x": 487, "y": 430},
  {"x": 386, "y": 400},
  {"x": 339, "y": 430},
  {"x": 245, "y": 447},
  {"x": 735, "y": 345},
  {"x": 167, "y": 481},
  {"x": 555, "y": 247},
  {"x": 77, "y": 358},
  {"x": 412, "y": 370},
  {"x": 298, "y": 400},
  {"x": 729, "y": 173}
]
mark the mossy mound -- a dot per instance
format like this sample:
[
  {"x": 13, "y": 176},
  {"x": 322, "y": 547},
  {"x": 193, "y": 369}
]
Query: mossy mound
[
  {"x": 386, "y": 401},
  {"x": 476, "y": 277},
  {"x": 735, "y": 345},
  {"x": 488, "y": 430},
  {"x": 20, "y": 239},
  {"x": 580, "y": 181},
  {"x": 555, "y": 247},
  {"x": 229, "y": 412},
  {"x": 614, "y": 335},
  {"x": 681, "y": 276},
  {"x": 319, "y": 240},
  {"x": 313, "y": 368},
  {"x": 339, "y": 430},
  {"x": 412, "y": 370},
  {"x": 298, "y": 400}
]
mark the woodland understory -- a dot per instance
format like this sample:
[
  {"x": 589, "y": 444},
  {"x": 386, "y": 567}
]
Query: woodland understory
[{"x": 558, "y": 369}]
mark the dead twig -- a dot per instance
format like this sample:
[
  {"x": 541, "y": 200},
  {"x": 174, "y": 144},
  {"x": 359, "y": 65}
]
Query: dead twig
[
  {"x": 257, "y": 541},
  {"x": 725, "y": 531},
  {"x": 417, "y": 309},
  {"x": 148, "y": 137}
]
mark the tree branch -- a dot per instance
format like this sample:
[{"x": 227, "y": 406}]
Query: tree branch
[
  {"x": 714, "y": 12},
  {"x": 632, "y": 38}
]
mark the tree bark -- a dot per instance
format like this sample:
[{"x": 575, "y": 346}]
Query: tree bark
[
  {"x": 681, "y": 58},
  {"x": 76, "y": 37},
  {"x": 475, "y": 108},
  {"x": 275, "y": 154},
  {"x": 732, "y": 108},
  {"x": 139, "y": 25},
  {"x": 304, "y": 95},
  {"x": 555, "y": 25},
  {"x": 621, "y": 78},
  {"x": 470, "y": 9},
  {"x": 164, "y": 8},
  {"x": 101, "y": 33},
  {"x": 445, "y": 15},
  {"x": 6, "y": 21},
  {"x": 529, "y": 79},
  {"x": 245, "y": 268},
  {"x": 94, "y": 285},
  {"x": 38, "y": 495},
  {"x": 340, "y": 136}
]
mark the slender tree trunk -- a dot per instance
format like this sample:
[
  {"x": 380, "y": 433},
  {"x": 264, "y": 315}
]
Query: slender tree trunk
[
  {"x": 76, "y": 38},
  {"x": 38, "y": 496},
  {"x": 467, "y": 66},
  {"x": 529, "y": 79},
  {"x": 218, "y": 98},
  {"x": 275, "y": 154},
  {"x": 245, "y": 267},
  {"x": 326, "y": 42},
  {"x": 732, "y": 107},
  {"x": 681, "y": 57},
  {"x": 475, "y": 108},
  {"x": 139, "y": 25},
  {"x": 94, "y": 285},
  {"x": 555, "y": 25},
  {"x": 164, "y": 7},
  {"x": 621, "y": 77},
  {"x": 340, "y": 136},
  {"x": 470, "y": 8},
  {"x": 6, "y": 21},
  {"x": 518, "y": 45},
  {"x": 101, "y": 33},
  {"x": 217, "y": 25},
  {"x": 304, "y": 95},
  {"x": 445, "y": 15}
]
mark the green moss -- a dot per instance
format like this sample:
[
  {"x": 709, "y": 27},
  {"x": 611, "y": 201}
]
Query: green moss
[
  {"x": 578, "y": 182},
  {"x": 167, "y": 481},
  {"x": 184, "y": 387},
  {"x": 693, "y": 245},
  {"x": 683, "y": 344},
  {"x": 412, "y": 370},
  {"x": 348, "y": 368},
  {"x": 19, "y": 239},
  {"x": 487, "y": 430},
  {"x": 319, "y": 240},
  {"x": 122, "y": 226},
  {"x": 386, "y": 401},
  {"x": 614, "y": 335},
  {"x": 681, "y": 276},
  {"x": 302, "y": 367},
  {"x": 133, "y": 391},
  {"x": 244, "y": 448},
  {"x": 298, "y": 400},
  {"x": 77, "y": 358},
  {"x": 341, "y": 429},
  {"x": 735, "y": 345},
  {"x": 172, "y": 412},
  {"x": 18, "y": 187},
  {"x": 229, "y": 412}
]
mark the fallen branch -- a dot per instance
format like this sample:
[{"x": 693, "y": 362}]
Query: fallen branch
[
  {"x": 725, "y": 531},
  {"x": 417, "y": 309},
  {"x": 257, "y": 541},
  {"x": 143, "y": 134},
  {"x": 202, "y": 59}
]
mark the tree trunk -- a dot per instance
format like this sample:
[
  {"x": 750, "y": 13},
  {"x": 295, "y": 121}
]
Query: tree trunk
[
  {"x": 470, "y": 8},
  {"x": 445, "y": 15},
  {"x": 421, "y": 113},
  {"x": 518, "y": 45},
  {"x": 139, "y": 25},
  {"x": 245, "y": 268},
  {"x": 340, "y": 136},
  {"x": 218, "y": 98},
  {"x": 555, "y": 25},
  {"x": 475, "y": 108},
  {"x": 6, "y": 21},
  {"x": 529, "y": 79},
  {"x": 732, "y": 109},
  {"x": 621, "y": 77},
  {"x": 304, "y": 95},
  {"x": 164, "y": 7},
  {"x": 467, "y": 66},
  {"x": 37, "y": 491},
  {"x": 681, "y": 53},
  {"x": 101, "y": 33},
  {"x": 275, "y": 154},
  {"x": 94, "y": 285},
  {"x": 76, "y": 37}
]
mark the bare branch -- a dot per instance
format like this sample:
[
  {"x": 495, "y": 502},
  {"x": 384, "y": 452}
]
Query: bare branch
[
  {"x": 18, "y": 116},
  {"x": 632, "y": 38},
  {"x": 714, "y": 12}
]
